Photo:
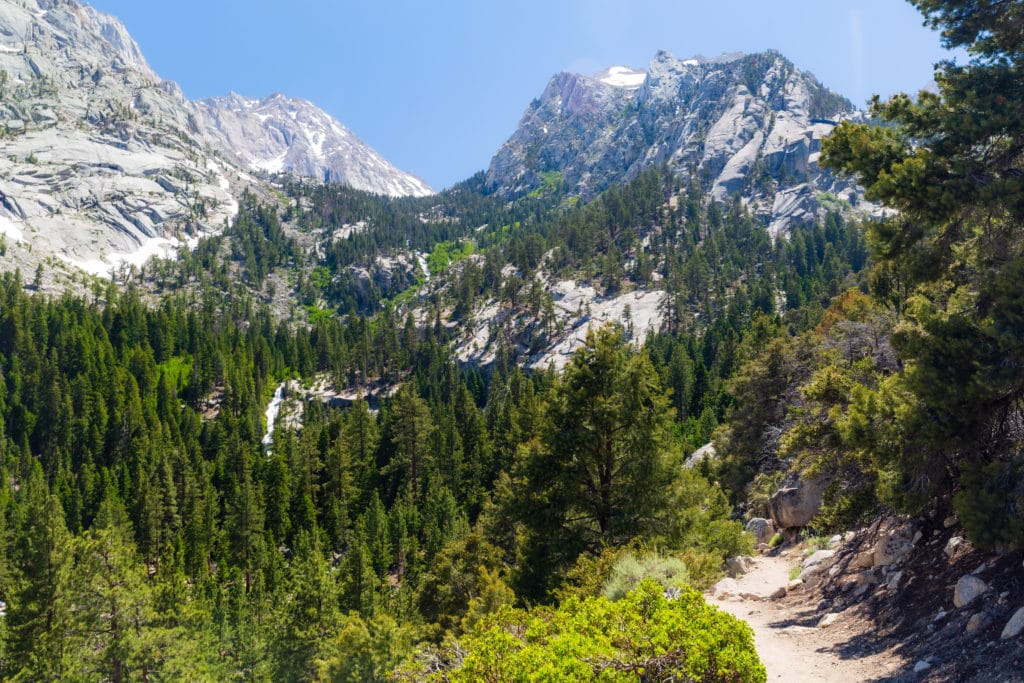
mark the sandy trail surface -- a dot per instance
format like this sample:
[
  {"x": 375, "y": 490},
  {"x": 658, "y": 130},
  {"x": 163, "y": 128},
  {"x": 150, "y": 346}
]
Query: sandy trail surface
[{"x": 789, "y": 641}]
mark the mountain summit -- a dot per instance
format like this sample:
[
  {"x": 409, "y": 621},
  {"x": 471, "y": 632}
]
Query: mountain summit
[{"x": 740, "y": 124}]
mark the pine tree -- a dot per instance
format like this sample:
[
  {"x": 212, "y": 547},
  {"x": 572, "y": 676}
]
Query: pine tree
[
  {"x": 112, "y": 601},
  {"x": 602, "y": 473},
  {"x": 952, "y": 163},
  {"x": 409, "y": 430},
  {"x": 40, "y": 611}
]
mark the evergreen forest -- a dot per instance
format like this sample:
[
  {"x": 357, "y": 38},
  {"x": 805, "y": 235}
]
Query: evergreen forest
[{"x": 420, "y": 517}]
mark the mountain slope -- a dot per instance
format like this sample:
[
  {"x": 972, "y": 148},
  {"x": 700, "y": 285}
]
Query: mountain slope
[
  {"x": 105, "y": 164},
  {"x": 747, "y": 124},
  {"x": 277, "y": 134},
  {"x": 100, "y": 158}
]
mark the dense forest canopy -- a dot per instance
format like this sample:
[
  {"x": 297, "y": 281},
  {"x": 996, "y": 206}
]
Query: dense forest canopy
[{"x": 422, "y": 517}]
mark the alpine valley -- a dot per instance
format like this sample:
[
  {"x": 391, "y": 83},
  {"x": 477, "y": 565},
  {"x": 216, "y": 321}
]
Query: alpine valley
[{"x": 273, "y": 409}]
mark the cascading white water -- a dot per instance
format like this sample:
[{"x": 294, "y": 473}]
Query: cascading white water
[
  {"x": 423, "y": 264},
  {"x": 272, "y": 411}
]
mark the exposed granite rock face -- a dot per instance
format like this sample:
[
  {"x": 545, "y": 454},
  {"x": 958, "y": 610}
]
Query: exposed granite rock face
[
  {"x": 102, "y": 163},
  {"x": 577, "y": 309},
  {"x": 278, "y": 133},
  {"x": 744, "y": 124}
]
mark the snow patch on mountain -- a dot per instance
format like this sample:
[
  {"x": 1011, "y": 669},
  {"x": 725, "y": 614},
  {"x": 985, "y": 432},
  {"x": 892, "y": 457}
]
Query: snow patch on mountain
[
  {"x": 9, "y": 229},
  {"x": 622, "y": 77}
]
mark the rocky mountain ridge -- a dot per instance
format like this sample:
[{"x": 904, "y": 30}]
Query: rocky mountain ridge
[
  {"x": 278, "y": 133},
  {"x": 105, "y": 164},
  {"x": 750, "y": 125}
]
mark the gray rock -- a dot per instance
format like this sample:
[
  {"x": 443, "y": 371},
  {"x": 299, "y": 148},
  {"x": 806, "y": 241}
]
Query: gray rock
[
  {"x": 817, "y": 558},
  {"x": 1014, "y": 626},
  {"x": 977, "y": 622},
  {"x": 893, "y": 546},
  {"x": 705, "y": 452},
  {"x": 739, "y": 565},
  {"x": 725, "y": 587},
  {"x": 578, "y": 308},
  {"x": 811, "y": 574},
  {"x": 761, "y": 529},
  {"x": 952, "y": 545},
  {"x": 828, "y": 619},
  {"x": 795, "y": 506},
  {"x": 968, "y": 589},
  {"x": 794, "y": 585},
  {"x": 922, "y": 665}
]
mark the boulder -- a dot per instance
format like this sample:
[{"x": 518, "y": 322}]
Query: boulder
[
  {"x": 725, "y": 587},
  {"x": 952, "y": 545},
  {"x": 794, "y": 585},
  {"x": 739, "y": 565},
  {"x": 1014, "y": 626},
  {"x": 705, "y": 452},
  {"x": 893, "y": 546},
  {"x": 968, "y": 589},
  {"x": 761, "y": 529},
  {"x": 811, "y": 574},
  {"x": 818, "y": 557},
  {"x": 828, "y": 619},
  {"x": 795, "y": 506}
]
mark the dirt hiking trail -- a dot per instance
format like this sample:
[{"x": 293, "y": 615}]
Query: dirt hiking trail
[{"x": 789, "y": 640}]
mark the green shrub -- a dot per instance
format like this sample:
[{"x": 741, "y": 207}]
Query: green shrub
[
  {"x": 629, "y": 572},
  {"x": 776, "y": 540},
  {"x": 645, "y": 636},
  {"x": 990, "y": 504}
]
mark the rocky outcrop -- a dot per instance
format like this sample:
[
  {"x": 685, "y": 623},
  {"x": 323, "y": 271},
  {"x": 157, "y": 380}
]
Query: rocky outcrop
[
  {"x": 576, "y": 309},
  {"x": 795, "y": 505},
  {"x": 745, "y": 124},
  {"x": 102, "y": 163},
  {"x": 705, "y": 452}
]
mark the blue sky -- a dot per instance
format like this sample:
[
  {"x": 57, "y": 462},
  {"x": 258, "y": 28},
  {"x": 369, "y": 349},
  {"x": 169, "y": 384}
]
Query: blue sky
[{"x": 437, "y": 86}]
